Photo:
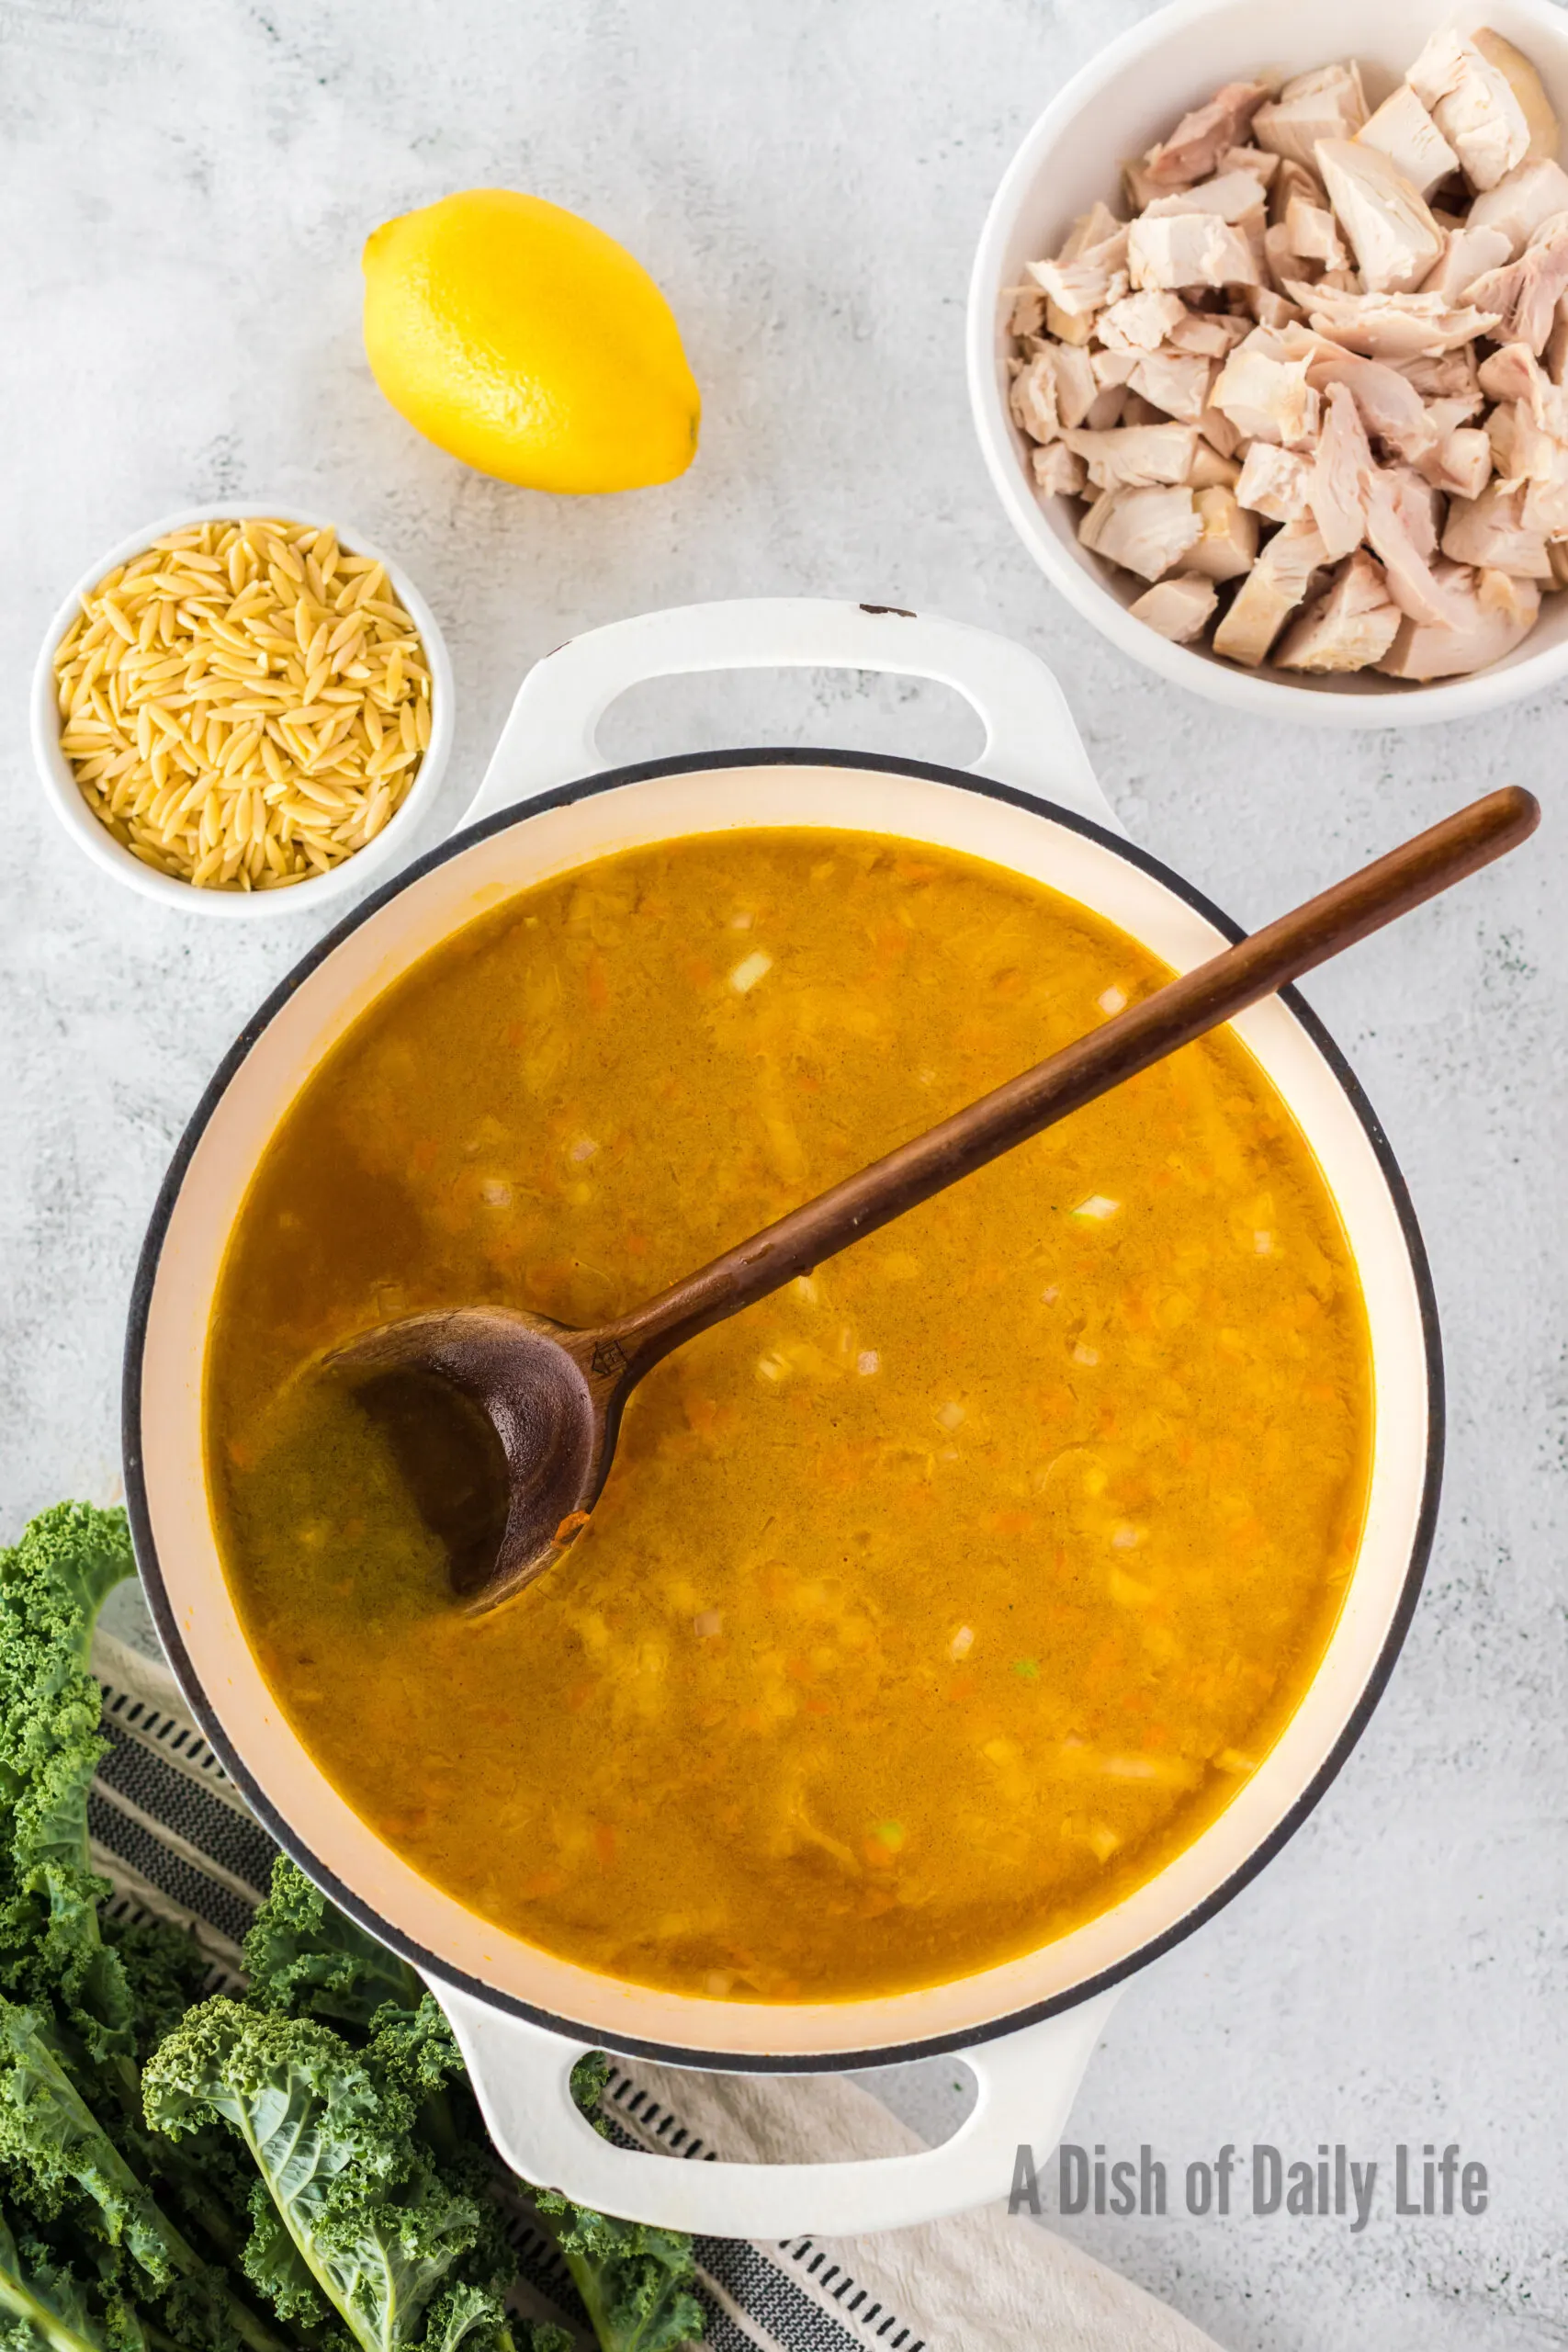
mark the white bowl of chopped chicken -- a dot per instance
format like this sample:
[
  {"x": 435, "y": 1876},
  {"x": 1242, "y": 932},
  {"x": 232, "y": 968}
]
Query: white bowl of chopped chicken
[{"x": 1269, "y": 353}]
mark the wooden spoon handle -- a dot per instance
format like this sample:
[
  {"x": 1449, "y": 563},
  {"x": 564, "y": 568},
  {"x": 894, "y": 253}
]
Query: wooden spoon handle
[{"x": 1173, "y": 1016}]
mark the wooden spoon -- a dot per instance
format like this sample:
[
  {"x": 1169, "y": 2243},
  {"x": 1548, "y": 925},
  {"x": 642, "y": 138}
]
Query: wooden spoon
[{"x": 554, "y": 1396}]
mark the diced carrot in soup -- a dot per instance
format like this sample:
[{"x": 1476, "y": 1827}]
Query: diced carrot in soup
[{"x": 933, "y": 1604}]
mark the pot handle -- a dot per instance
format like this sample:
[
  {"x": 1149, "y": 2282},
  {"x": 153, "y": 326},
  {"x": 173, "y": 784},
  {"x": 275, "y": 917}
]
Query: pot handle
[
  {"x": 521, "y": 2077},
  {"x": 551, "y": 736}
]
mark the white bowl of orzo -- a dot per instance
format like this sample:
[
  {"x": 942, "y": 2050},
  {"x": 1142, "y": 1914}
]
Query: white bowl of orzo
[{"x": 243, "y": 709}]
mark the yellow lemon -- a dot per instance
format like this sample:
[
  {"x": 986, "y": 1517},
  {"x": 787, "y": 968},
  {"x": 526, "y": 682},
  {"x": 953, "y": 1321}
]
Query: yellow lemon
[{"x": 528, "y": 344}]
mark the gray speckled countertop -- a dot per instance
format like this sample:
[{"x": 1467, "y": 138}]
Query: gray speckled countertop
[{"x": 186, "y": 191}]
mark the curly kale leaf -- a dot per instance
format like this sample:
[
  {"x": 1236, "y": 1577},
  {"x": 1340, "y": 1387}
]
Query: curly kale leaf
[
  {"x": 380, "y": 2226},
  {"x": 375, "y": 2222},
  {"x": 44, "y": 2307},
  {"x": 304, "y": 1957},
  {"x": 205, "y": 2181},
  {"x": 633, "y": 2278},
  {"x": 165, "y": 1970},
  {"x": 589, "y": 2078},
  {"x": 58, "y": 2162},
  {"x": 55, "y": 2149},
  {"x": 52, "y": 1585}
]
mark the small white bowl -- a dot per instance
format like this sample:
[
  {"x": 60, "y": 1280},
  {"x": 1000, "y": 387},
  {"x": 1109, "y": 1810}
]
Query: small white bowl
[
  {"x": 390, "y": 844},
  {"x": 1119, "y": 105}
]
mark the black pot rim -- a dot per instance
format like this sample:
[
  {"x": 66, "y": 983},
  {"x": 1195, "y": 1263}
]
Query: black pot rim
[{"x": 293, "y": 1841}]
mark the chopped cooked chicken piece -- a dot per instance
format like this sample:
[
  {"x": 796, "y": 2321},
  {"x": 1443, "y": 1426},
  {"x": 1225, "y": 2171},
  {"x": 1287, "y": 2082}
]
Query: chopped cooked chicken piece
[
  {"x": 1174, "y": 383},
  {"x": 1256, "y": 160},
  {"x": 1391, "y": 407},
  {"x": 1212, "y": 334},
  {"x": 1141, "y": 187},
  {"x": 1032, "y": 397},
  {"x": 1283, "y": 258},
  {"x": 1218, "y": 431},
  {"x": 1189, "y": 248},
  {"x": 1514, "y": 373},
  {"x": 1209, "y": 470},
  {"x": 1310, "y": 230},
  {"x": 1181, "y": 607},
  {"x": 1266, "y": 343},
  {"x": 1469, "y": 253},
  {"x": 1270, "y": 309},
  {"x": 1292, "y": 180},
  {"x": 1555, "y": 355},
  {"x": 1146, "y": 531},
  {"x": 1527, "y": 453},
  {"x": 1278, "y": 582},
  {"x": 1057, "y": 472},
  {"x": 1486, "y": 99},
  {"x": 1106, "y": 408},
  {"x": 1300, "y": 341},
  {"x": 1092, "y": 228},
  {"x": 1447, "y": 375},
  {"x": 1421, "y": 507},
  {"x": 1524, "y": 293},
  {"x": 1350, "y": 624},
  {"x": 1140, "y": 322},
  {"x": 1490, "y": 531},
  {"x": 1344, "y": 463},
  {"x": 1077, "y": 385},
  {"x": 1274, "y": 482},
  {"x": 1461, "y": 462},
  {"x": 1073, "y": 327},
  {"x": 1546, "y": 500},
  {"x": 1229, "y": 543},
  {"x": 1136, "y": 454},
  {"x": 1443, "y": 417},
  {"x": 1521, "y": 200},
  {"x": 1395, "y": 239},
  {"x": 1396, "y": 530},
  {"x": 1062, "y": 276},
  {"x": 1233, "y": 196},
  {"x": 1327, "y": 104},
  {"x": 1112, "y": 367},
  {"x": 1557, "y": 550},
  {"x": 1517, "y": 599},
  {"x": 1265, "y": 398},
  {"x": 1027, "y": 316},
  {"x": 1092, "y": 280},
  {"x": 1473, "y": 635},
  {"x": 1201, "y": 138},
  {"x": 1406, "y": 134},
  {"x": 1395, "y": 327},
  {"x": 1501, "y": 429},
  {"x": 1409, "y": 137}
]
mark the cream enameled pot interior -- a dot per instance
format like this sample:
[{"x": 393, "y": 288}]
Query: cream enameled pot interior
[{"x": 223, "y": 1679}]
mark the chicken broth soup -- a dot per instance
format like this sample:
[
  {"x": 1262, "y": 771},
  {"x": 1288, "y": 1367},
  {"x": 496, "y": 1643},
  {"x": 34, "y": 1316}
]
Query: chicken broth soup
[{"x": 933, "y": 1604}]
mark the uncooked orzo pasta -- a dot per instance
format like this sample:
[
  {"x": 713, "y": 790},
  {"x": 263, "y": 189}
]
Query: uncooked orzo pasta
[{"x": 246, "y": 705}]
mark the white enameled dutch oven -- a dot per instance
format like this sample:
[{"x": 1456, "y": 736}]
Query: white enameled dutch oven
[{"x": 1026, "y": 2028}]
